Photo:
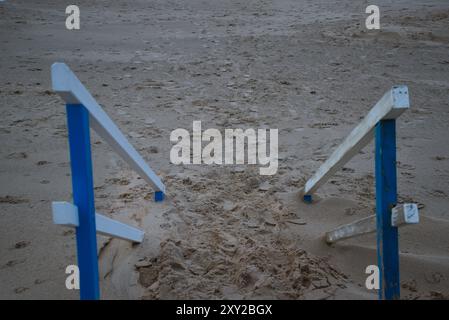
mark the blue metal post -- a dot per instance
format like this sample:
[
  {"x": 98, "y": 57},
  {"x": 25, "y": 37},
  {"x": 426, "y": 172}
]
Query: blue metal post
[
  {"x": 83, "y": 198},
  {"x": 386, "y": 197}
]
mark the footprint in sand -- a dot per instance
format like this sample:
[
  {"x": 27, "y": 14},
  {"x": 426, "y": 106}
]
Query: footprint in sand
[
  {"x": 20, "y": 290},
  {"x": 17, "y": 155},
  {"x": 12, "y": 200},
  {"x": 22, "y": 244}
]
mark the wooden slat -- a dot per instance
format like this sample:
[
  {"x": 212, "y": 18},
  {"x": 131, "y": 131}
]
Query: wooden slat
[
  {"x": 67, "y": 85},
  {"x": 391, "y": 106},
  {"x": 112, "y": 228},
  {"x": 353, "y": 229},
  {"x": 402, "y": 215},
  {"x": 66, "y": 214}
]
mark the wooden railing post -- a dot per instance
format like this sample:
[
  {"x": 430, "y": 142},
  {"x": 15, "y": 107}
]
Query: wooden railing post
[
  {"x": 381, "y": 122},
  {"x": 386, "y": 197},
  {"x": 83, "y": 198}
]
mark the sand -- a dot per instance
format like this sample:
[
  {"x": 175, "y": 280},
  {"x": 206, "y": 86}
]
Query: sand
[{"x": 308, "y": 68}]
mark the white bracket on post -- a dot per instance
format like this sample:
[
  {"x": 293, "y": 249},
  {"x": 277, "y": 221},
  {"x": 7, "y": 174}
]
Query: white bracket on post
[{"x": 406, "y": 213}]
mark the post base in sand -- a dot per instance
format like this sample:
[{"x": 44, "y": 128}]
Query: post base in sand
[
  {"x": 307, "y": 198},
  {"x": 159, "y": 196}
]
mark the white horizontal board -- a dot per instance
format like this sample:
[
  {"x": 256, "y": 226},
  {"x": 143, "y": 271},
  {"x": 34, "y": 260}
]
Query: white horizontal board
[
  {"x": 353, "y": 229},
  {"x": 67, "y": 85},
  {"x": 391, "y": 106},
  {"x": 110, "y": 227},
  {"x": 66, "y": 214},
  {"x": 401, "y": 215}
]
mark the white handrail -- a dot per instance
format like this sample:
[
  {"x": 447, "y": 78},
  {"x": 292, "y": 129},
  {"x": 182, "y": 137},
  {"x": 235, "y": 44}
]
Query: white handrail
[
  {"x": 67, "y": 85},
  {"x": 391, "y": 106}
]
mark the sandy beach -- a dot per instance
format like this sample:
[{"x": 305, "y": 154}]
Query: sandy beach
[{"x": 308, "y": 68}]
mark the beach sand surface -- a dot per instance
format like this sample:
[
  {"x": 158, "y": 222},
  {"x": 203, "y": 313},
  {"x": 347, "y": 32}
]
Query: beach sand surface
[{"x": 308, "y": 68}]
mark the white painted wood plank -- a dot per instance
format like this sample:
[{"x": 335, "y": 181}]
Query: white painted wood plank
[
  {"x": 110, "y": 227},
  {"x": 67, "y": 85},
  {"x": 401, "y": 215},
  {"x": 391, "y": 106},
  {"x": 353, "y": 229},
  {"x": 66, "y": 214}
]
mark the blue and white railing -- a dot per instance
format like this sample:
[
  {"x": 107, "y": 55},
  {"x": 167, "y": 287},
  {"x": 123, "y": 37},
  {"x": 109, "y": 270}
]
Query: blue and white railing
[
  {"x": 381, "y": 124},
  {"x": 84, "y": 112}
]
